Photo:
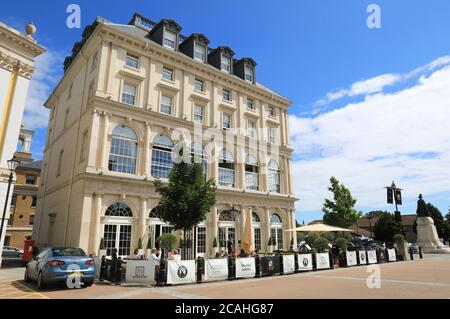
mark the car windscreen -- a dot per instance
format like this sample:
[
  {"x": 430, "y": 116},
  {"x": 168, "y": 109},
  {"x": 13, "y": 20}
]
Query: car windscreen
[{"x": 60, "y": 252}]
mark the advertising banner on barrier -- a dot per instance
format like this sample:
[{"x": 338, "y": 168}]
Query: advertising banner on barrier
[
  {"x": 140, "y": 272},
  {"x": 372, "y": 256},
  {"x": 245, "y": 267},
  {"x": 288, "y": 264},
  {"x": 180, "y": 272},
  {"x": 322, "y": 261},
  {"x": 270, "y": 265},
  {"x": 362, "y": 257},
  {"x": 391, "y": 255},
  {"x": 305, "y": 262},
  {"x": 351, "y": 258},
  {"x": 216, "y": 269}
]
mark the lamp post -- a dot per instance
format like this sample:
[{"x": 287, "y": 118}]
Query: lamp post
[
  {"x": 394, "y": 196},
  {"x": 370, "y": 225},
  {"x": 12, "y": 165}
]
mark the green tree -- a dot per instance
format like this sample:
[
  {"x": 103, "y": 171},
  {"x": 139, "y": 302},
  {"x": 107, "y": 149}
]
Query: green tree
[
  {"x": 375, "y": 213},
  {"x": 188, "y": 197},
  {"x": 310, "y": 238},
  {"x": 438, "y": 219},
  {"x": 321, "y": 244},
  {"x": 167, "y": 240},
  {"x": 386, "y": 228},
  {"x": 340, "y": 211}
]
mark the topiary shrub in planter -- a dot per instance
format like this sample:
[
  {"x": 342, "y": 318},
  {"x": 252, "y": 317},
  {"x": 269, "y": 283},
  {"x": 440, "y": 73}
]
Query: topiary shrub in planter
[
  {"x": 167, "y": 240},
  {"x": 342, "y": 243},
  {"x": 321, "y": 243},
  {"x": 310, "y": 238},
  {"x": 402, "y": 247}
]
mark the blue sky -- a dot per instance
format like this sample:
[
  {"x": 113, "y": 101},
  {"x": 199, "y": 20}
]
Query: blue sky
[{"x": 351, "y": 85}]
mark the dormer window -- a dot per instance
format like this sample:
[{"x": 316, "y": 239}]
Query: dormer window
[
  {"x": 249, "y": 74},
  {"x": 225, "y": 63},
  {"x": 199, "y": 51},
  {"x": 170, "y": 39}
]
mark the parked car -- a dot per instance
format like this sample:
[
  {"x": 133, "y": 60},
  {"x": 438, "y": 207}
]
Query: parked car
[
  {"x": 54, "y": 265},
  {"x": 12, "y": 252},
  {"x": 366, "y": 243}
]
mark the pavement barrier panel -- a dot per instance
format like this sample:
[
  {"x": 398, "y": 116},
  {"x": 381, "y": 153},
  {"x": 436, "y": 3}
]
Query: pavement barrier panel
[
  {"x": 362, "y": 257},
  {"x": 350, "y": 257},
  {"x": 305, "y": 262},
  {"x": 140, "y": 271},
  {"x": 216, "y": 269},
  {"x": 181, "y": 272},
  {"x": 270, "y": 265},
  {"x": 288, "y": 264},
  {"x": 391, "y": 255},
  {"x": 322, "y": 261},
  {"x": 372, "y": 257},
  {"x": 245, "y": 267}
]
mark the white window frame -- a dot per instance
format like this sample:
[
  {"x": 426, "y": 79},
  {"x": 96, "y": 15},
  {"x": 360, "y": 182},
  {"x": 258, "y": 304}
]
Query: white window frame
[
  {"x": 134, "y": 59},
  {"x": 272, "y": 134},
  {"x": 248, "y": 71},
  {"x": 251, "y": 129},
  {"x": 202, "y": 115},
  {"x": 123, "y": 93},
  {"x": 224, "y": 115},
  {"x": 166, "y": 70},
  {"x": 171, "y": 104},
  {"x": 196, "y": 80},
  {"x": 226, "y": 67},
  {"x": 252, "y": 104},
  {"x": 230, "y": 95},
  {"x": 165, "y": 38},
  {"x": 198, "y": 45}
]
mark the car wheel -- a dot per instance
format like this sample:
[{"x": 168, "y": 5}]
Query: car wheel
[
  {"x": 26, "y": 278},
  {"x": 20, "y": 255},
  {"x": 40, "y": 282},
  {"x": 88, "y": 283}
]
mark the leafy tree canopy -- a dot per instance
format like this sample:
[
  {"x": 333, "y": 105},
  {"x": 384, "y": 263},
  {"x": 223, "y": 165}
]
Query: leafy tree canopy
[
  {"x": 187, "y": 198},
  {"x": 340, "y": 211},
  {"x": 386, "y": 228}
]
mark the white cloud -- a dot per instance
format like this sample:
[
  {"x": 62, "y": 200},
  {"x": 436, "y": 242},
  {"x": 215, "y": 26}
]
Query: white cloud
[
  {"x": 378, "y": 83},
  {"x": 49, "y": 68},
  {"x": 403, "y": 136}
]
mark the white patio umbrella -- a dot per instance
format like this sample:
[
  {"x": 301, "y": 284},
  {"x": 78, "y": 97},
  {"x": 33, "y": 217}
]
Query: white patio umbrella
[{"x": 320, "y": 228}]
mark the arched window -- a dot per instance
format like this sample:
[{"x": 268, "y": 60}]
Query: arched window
[
  {"x": 274, "y": 177},
  {"x": 153, "y": 214},
  {"x": 123, "y": 153},
  {"x": 226, "y": 216},
  {"x": 255, "y": 218},
  {"x": 276, "y": 230},
  {"x": 119, "y": 210},
  {"x": 256, "y": 231},
  {"x": 118, "y": 235},
  {"x": 251, "y": 173},
  {"x": 198, "y": 155},
  {"x": 226, "y": 168},
  {"x": 162, "y": 156}
]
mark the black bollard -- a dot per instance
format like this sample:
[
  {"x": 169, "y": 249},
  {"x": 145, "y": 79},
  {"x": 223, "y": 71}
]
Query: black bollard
[
  {"x": 281, "y": 264},
  {"x": 162, "y": 273},
  {"x": 118, "y": 274},
  {"x": 231, "y": 266},
  {"x": 103, "y": 269},
  {"x": 314, "y": 261},
  {"x": 331, "y": 256},
  {"x": 257, "y": 266},
  {"x": 296, "y": 262},
  {"x": 411, "y": 255},
  {"x": 200, "y": 267},
  {"x": 420, "y": 253}
]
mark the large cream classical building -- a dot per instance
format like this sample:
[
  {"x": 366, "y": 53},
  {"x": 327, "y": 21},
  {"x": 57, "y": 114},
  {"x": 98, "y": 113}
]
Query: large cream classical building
[
  {"x": 17, "y": 54},
  {"x": 130, "y": 92}
]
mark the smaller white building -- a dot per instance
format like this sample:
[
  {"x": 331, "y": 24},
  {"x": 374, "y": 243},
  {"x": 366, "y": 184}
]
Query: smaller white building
[{"x": 17, "y": 54}]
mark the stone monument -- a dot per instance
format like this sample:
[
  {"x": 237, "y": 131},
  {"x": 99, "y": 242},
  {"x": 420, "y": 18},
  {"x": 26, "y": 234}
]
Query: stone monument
[{"x": 427, "y": 237}]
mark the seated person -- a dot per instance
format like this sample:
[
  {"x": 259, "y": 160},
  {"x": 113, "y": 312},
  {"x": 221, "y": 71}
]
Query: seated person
[{"x": 175, "y": 255}]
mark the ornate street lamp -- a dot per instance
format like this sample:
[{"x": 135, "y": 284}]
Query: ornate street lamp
[{"x": 12, "y": 165}]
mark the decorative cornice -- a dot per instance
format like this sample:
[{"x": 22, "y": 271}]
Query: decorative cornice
[
  {"x": 9, "y": 63},
  {"x": 23, "y": 41}
]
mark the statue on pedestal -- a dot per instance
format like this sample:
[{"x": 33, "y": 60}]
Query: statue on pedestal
[
  {"x": 422, "y": 209},
  {"x": 427, "y": 236}
]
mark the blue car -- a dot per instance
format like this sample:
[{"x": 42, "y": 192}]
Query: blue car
[{"x": 55, "y": 265}]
